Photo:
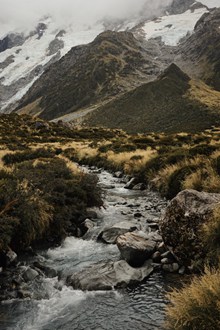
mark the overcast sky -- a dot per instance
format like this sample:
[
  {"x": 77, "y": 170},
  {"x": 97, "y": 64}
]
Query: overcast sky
[{"x": 23, "y": 14}]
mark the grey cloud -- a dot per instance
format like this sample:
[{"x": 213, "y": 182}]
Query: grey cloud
[{"x": 23, "y": 14}]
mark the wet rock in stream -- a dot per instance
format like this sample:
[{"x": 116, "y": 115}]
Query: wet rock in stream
[
  {"x": 109, "y": 235},
  {"x": 109, "y": 275},
  {"x": 136, "y": 248}
]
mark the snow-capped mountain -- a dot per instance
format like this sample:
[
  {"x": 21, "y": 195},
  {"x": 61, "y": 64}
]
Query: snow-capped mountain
[{"x": 25, "y": 56}]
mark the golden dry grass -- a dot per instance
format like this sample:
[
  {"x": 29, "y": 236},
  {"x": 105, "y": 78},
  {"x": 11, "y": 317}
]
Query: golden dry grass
[
  {"x": 131, "y": 162},
  {"x": 197, "y": 306},
  {"x": 204, "y": 94}
]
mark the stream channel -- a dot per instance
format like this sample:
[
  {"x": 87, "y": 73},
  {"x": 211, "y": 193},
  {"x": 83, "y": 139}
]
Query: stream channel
[{"x": 55, "y": 306}]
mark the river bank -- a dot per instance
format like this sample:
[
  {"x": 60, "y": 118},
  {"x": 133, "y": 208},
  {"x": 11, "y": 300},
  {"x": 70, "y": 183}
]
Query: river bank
[{"x": 52, "y": 305}]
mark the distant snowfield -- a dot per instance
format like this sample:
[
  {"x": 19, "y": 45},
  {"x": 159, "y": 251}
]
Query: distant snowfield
[
  {"x": 211, "y": 3},
  {"x": 173, "y": 27},
  {"x": 34, "y": 53}
]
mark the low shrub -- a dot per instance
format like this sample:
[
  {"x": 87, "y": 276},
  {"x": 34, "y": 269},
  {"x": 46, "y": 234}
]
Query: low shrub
[
  {"x": 43, "y": 200},
  {"x": 19, "y": 157},
  {"x": 176, "y": 179},
  {"x": 202, "y": 149}
]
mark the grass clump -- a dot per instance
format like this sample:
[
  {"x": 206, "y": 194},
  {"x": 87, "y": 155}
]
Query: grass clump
[
  {"x": 196, "y": 306},
  {"x": 42, "y": 200}
]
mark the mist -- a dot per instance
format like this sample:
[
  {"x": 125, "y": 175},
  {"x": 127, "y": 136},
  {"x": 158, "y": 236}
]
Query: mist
[{"x": 21, "y": 15}]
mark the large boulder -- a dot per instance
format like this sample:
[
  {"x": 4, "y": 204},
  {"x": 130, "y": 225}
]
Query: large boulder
[
  {"x": 109, "y": 235},
  {"x": 109, "y": 275},
  {"x": 182, "y": 223},
  {"x": 136, "y": 248}
]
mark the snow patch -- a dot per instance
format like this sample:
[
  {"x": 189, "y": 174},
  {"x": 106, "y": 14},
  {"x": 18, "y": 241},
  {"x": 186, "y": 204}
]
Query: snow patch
[
  {"x": 211, "y": 3},
  {"x": 173, "y": 28}
]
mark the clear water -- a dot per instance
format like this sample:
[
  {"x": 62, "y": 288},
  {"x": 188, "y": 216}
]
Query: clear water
[{"x": 55, "y": 306}]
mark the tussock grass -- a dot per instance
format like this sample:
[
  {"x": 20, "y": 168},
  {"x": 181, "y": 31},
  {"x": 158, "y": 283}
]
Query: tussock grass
[{"x": 197, "y": 306}]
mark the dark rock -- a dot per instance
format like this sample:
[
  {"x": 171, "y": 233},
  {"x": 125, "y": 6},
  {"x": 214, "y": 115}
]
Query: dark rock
[
  {"x": 170, "y": 268},
  {"x": 109, "y": 275},
  {"x": 166, "y": 261},
  {"x": 135, "y": 248},
  {"x": 162, "y": 248},
  {"x": 153, "y": 226},
  {"x": 91, "y": 214},
  {"x": 182, "y": 223},
  {"x": 30, "y": 274},
  {"x": 22, "y": 294},
  {"x": 48, "y": 271},
  {"x": 156, "y": 257},
  {"x": 182, "y": 270},
  {"x": 168, "y": 254},
  {"x": 109, "y": 235},
  {"x": 118, "y": 174},
  {"x": 139, "y": 186},
  {"x": 138, "y": 215},
  {"x": 88, "y": 225},
  {"x": 11, "y": 258}
]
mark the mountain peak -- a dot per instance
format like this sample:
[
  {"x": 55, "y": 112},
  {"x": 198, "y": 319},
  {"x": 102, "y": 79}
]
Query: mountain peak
[{"x": 175, "y": 73}]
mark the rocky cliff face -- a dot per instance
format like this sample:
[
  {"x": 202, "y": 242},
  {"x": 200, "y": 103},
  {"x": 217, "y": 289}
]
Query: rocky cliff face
[{"x": 201, "y": 51}]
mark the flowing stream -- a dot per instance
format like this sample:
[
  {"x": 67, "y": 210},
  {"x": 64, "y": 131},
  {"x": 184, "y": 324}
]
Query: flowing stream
[{"x": 55, "y": 306}]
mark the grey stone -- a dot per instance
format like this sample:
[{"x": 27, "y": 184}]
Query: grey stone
[
  {"x": 162, "y": 247},
  {"x": 182, "y": 270},
  {"x": 165, "y": 261},
  {"x": 135, "y": 248},
  {"x": 131, "y": 183},
  {"x": 184, "y": 216},
  {"x": 167, "y": 254},
  {"x": 91, "y": 214},
  {"x": 22, "y": 294},
  {"x": 156, "y": 257},
  {"x": 109, "y": 235},
  {"x": 109, "y": 275},
  {"x": 139, "y": 186},
  {"x": 30, "y": 274},
  {"x": 11, "y": 257},
  {"x": 119, "y": 174},
  {"x": 88, "y": 224},
  {"x": 171, "y": 268}
]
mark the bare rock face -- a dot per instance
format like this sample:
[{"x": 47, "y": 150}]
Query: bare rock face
[
  {"x": 182, "y": 223},
  {"x": 109, "y": 275},
  {"x": 135, "y": 248}
]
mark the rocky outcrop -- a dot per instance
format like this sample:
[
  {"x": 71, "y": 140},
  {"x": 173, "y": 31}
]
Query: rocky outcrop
[
  {"x": 109, "y": 275},
  {"x": 11, "y": 40},
  {"x": 135, "y": 248},
  {"x": 200, "y": 51},
  {"x": 109, "y": 235},
  {"x": 182, "y": 223}
]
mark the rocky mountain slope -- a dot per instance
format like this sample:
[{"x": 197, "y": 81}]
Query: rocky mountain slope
[
  {"x": 113, "y": 72},
  {"x": 201, "y": 51},
  {"x": 172, "y": 103},
  {"x": 89, "y": 74},
  {"x": 25, "y": 55}
]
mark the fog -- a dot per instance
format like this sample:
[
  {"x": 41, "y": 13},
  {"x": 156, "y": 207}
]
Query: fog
[{"x": 22, "y": 15}]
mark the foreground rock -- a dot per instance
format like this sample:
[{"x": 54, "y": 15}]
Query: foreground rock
[
  {"x": 182, "y": 224},
  {"x": 135, "y": 248},
  {"x": 109, "y": 275},
  {"x": 110, "y": 235}
]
